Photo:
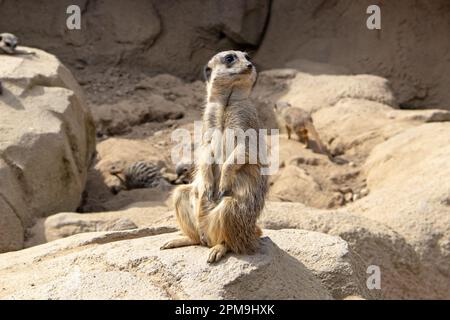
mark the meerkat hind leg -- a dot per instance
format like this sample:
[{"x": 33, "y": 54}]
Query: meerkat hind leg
[
  {"x": 179, "y": 242},
  {"x": 186, "y": 219},
  {"x": 289, "y": 131}
]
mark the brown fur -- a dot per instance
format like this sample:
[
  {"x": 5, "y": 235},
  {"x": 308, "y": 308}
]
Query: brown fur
[
  {"x": 220, "y": 207},
  {"x": 298, "y": 121}
]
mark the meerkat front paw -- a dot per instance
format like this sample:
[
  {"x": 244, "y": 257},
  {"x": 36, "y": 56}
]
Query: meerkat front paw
[{"x": 216, "y": 253}]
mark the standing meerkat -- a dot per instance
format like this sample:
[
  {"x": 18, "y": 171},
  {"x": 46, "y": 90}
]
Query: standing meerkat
[
  {"x": 221, "y": 206},
  {"x": 300, "y": 122}
]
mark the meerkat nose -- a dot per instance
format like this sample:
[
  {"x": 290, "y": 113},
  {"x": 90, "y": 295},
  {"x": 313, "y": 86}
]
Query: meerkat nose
[{"x": 249, "y": 66}]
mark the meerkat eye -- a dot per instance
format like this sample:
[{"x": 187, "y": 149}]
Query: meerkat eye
[
  {"x": 229, "y": 58},
  {"x": 8, "y": 44},
  {"x": 247, "y": 57}
]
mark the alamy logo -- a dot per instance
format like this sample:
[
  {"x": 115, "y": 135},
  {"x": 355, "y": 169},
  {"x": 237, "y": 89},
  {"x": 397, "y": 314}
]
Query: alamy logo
[
  {"x": 232, "y": 146},
  {"x": 374, "y": 280},
  {"x": 374, "y": 20},
  {"x": 73, "y": 22}
]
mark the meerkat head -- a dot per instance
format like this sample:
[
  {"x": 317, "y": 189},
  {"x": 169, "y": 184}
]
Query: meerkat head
[
  {"x": 230, "y": 72},
  {"x": 8, "y": 42},
  {"x": 279, "y": 106}
]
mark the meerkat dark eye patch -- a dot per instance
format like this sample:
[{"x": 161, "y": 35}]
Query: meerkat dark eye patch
[
  {"x": 1, "y": 38},
  {"x": 229, "y": 58},
  {"x": 207, "y": 73},
  {"x": 247, "y": 57}
]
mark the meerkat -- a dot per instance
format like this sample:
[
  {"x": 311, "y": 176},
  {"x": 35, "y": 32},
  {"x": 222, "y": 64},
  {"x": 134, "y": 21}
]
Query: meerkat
[
  {"x": 300, "y": 122},
  {"x": 220, "y": 208},
  {"x": 8, "y": 45},
  {"x": 142, "y": 174},
  {"x": 185, "y": 172}
]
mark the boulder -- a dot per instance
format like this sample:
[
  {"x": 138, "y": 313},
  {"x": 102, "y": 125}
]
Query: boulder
[
  {"x": 82, "y": 267},
  {"x": 335, "y": 32},
  {"x": 402, "y": 274},
  {"x": 313, "y": 92},
  {"x": 46, "y": 145},
  {"x": 175, "y": 38},
  {"x": 409, "y": 179},
  {"x": 356, "y": 126},
  {"x": 294, "y": 184},
  {"x": 65, "y": 224}
]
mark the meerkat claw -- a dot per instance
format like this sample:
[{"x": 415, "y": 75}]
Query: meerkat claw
[
  {"x": 210, "y": 195},
  {"x": 216, "y": 253}
]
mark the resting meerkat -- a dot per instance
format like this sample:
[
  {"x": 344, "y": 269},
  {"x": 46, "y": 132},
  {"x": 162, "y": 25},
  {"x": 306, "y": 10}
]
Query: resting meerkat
[
  {"x": 141, "y": 174},
  {"x": 221, "y": 206},
  {"x": 8, "y": 45},
  {"x": 300, "y": 122}
]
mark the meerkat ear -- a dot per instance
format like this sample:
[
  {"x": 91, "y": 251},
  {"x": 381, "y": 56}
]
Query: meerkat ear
[{"x": 207, "y": 73}]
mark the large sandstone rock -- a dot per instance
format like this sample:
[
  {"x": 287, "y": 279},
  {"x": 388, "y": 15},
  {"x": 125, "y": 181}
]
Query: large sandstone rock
[
  {"x": 65, "y": 224},
  {"x": 46, "y": 145},
  {"x": 165, "y": 37},
  {"x": 314, "y": 92},
  {"x": 82, "y": 266},
  {"x": 409, "y": 176},
  {"x": 335, "y": 32},
  {"x": 356, "y": 126},
  {"x": 180, "y": 37},
  {"x": 402, "y": 274}
]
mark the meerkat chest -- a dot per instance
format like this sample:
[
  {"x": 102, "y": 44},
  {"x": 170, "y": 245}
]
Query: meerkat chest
[{"x": 223, "y": 118}]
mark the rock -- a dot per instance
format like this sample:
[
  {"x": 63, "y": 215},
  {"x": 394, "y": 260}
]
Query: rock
[
  {"x": 403, "y": 276},
  {"x": 348, "y": 197},
  {"x": 143, "y": 33},
  {"x": 294, "y": 185},
  {"x": 402, "y": 56},
  {"x": 346, "y": 124},
  {"x": 122, "y": 116},
  {"x": 82, "y": 267},
  {"x": 66, "y": 224},
  {"x": 46, "y": 145},
  {"x": 328, "y": 257},
  {"x": 409, "y": 176},
  {"x": 315, "y": 92},
  {"x": 364, "y": 192}
]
